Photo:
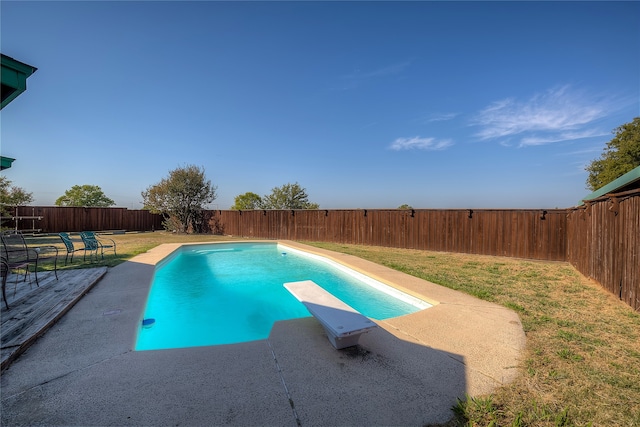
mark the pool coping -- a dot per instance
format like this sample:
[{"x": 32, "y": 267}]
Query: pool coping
[
  {"x": 409, "y": 371},
  {"x": 493, "y": 334}
]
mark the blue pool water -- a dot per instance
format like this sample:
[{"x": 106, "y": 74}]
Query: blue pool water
[{"x": 233, "y": 292}]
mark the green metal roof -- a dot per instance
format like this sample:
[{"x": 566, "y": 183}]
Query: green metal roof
[
  {"x": 14, "y": 78},
  {"x": 14, "y": 81},
  {"x": 628, "y": 181},
  {"x": 6, "y": 163}
]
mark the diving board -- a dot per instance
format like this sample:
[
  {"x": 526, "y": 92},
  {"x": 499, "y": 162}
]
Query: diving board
[{"x": 343, "y": 324}]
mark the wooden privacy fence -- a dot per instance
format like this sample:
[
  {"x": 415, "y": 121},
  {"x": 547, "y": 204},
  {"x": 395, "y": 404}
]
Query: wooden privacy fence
[
  {"x": 538, "y": 234},
  {"x": 603, "y": 243},
  {"x": 54, "y": 219},
  {"x": 601, "y": 239}
]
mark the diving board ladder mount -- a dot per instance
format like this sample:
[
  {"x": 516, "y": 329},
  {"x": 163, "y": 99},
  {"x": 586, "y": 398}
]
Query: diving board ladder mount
[{"x": 343, "y": 324}]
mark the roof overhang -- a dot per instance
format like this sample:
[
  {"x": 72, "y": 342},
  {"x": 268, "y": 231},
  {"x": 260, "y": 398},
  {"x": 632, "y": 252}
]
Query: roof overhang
[
  {"x": 628, "y": 181},
  {"x": 6, "y": 162},
  {"x": 14, "y": 78}
]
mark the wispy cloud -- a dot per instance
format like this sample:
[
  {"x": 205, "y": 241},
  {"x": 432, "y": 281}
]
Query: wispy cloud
[
  {"x": 379, "y": 72},
  {"x": 562, "y": 136},
  {"x": 441, "y": 117},
  {"x": 418, "y": 143},
  {"x": 559, "y": 114},
  {"x": 587, "y": 151},
  {"x": 358, "y": 77}
]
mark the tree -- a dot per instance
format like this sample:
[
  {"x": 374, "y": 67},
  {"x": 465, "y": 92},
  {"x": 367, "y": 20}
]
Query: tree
[
  {"x": 405, "y": 206},
  {"x": 181, "y": 198},
  {"x": 289, "y": 196},
  {"x": 85, "y": 196},
  {"x": 621, "y": 155},
  {"x": 12, "y": 196},
  {"x": 247, "y": 201}
]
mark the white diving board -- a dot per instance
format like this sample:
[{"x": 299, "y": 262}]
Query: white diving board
[{"x": 343, "y": 324}]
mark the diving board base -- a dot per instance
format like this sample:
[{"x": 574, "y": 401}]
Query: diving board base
[
  {"x": 343, "y": 342},
  {"x": 342, "y": 323}
]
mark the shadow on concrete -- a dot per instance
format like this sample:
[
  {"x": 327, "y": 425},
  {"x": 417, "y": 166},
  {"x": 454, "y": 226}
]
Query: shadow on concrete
[{"x": 386, "y": 379}]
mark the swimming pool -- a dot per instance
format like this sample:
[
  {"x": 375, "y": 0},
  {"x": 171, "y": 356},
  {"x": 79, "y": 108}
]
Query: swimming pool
[{"x": 228, "y": 293}]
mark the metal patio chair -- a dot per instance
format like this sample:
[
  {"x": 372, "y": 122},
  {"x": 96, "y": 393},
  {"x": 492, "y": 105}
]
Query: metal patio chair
[
  {"x": 4, "y": 273},
  {"x": 93, "y": 243},
  {"x": 17, "y": 255},
  {"x": 69, "y": 246}
]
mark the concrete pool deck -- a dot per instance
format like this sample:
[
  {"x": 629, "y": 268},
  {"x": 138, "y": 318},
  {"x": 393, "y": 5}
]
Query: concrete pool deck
[{"x": 409, "y": 371}]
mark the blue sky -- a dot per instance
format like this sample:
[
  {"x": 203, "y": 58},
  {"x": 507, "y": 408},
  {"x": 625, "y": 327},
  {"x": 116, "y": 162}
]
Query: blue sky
[{"x": 364, "y": 104}]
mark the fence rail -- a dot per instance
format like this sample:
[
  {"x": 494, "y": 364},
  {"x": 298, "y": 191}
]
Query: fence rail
[{"x": 601, "y": 239}]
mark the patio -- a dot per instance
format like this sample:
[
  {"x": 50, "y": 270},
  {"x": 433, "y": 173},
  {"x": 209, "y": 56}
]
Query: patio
[{"x": 409, "y": 371}]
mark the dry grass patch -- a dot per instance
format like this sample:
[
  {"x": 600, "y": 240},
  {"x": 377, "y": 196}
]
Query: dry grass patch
[{"x": 582, "y": 359}]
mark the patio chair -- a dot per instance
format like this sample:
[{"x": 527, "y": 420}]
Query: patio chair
[
  {"x": 69, "y": 246},
  {"x": 19, "y": 256},
  {"x": 93, "y": 243},
  {"x": 4, "y": 273},
  {"x": 16, "y": 255}
]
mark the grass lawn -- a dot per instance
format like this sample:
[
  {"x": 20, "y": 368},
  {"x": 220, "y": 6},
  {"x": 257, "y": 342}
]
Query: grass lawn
[{"x": 582, "y": 359}]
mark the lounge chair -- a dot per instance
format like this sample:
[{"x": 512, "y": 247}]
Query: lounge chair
[
  {"x": 69, "y": 246},
  {"x": 93, "y": 243}
]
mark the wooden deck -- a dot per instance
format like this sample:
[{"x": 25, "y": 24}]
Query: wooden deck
[{"x": 32, "y": 310}]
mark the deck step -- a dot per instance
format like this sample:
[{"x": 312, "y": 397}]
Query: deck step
[{"x": 34, "y": 310}]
